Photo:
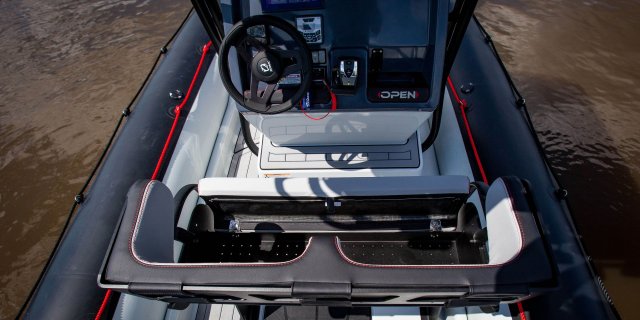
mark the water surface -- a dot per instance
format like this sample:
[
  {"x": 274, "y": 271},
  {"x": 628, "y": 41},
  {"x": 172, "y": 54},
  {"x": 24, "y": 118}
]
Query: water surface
[
  {"x": 70, "y": 66},
  {"x": 67, "y": 69},
  {"x": 576, "y": 63}
]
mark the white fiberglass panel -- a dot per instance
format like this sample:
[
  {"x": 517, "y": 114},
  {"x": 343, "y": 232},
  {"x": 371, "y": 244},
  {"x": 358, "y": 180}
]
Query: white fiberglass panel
[
  {"x": 339, "y": 128},
  {"x": 451, "y": 152},
  {"x": 194, "y": 147}
]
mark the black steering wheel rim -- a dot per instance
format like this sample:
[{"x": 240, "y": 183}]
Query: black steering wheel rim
[{"x": 238, "y": 34}]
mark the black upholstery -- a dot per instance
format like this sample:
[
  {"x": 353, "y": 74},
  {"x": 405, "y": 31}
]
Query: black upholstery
[
  {"x": 321, "y": 271},
  {"x": 152, "y": 199}
]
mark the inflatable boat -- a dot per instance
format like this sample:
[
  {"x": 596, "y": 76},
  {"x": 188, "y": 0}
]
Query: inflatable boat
[{"x": 321, "y": 159}]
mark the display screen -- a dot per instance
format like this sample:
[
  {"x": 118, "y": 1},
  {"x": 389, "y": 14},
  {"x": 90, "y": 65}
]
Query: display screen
[
  {"x": 311, "y": 28},
  {"x": 286, "y": 5}
]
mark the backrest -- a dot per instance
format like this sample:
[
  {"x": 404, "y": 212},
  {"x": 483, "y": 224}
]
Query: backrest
[{"x": 345, "y": 203}]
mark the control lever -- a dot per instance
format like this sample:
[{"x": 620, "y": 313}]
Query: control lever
[{"x": 348, "y": 73}]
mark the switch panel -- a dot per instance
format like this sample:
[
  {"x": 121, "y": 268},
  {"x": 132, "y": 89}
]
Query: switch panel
[{"x": 311, "y": 29}]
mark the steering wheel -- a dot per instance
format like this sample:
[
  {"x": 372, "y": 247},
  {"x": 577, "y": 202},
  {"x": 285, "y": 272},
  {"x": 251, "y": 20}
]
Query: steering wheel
[{"x": 269, "y": 65}]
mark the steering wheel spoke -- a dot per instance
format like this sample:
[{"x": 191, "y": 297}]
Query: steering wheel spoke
[
  {"x": 263, "y": 96},
  {"x": 244, "y": 48},
  {"x": 244, "y": 54},
  {"x": 268, "y": 93},
  {"x": 253, "y": 88},
  {"x": 252, "y": 41},
  {"x": 293, "y": 58},
  {"x": 290, "y": 69},
  {"x": 290, "y": 55}
]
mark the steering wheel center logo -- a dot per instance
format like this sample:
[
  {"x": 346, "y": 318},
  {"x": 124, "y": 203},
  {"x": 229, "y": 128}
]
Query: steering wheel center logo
[{"x": 265, "y": 67}]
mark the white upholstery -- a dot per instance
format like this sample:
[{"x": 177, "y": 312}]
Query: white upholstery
[
  {"x": 505, "y": 240},
  {"x": 332, "y": 187}
]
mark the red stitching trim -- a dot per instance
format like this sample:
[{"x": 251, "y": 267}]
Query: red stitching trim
[
  {"x": 522, "y": 240},
  {"x": 140, "y": 261}
]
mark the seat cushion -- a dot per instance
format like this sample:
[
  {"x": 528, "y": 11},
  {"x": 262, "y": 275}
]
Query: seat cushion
[
  {"x": 334, "y": 204},
  {"x": 332, "y": 187}
]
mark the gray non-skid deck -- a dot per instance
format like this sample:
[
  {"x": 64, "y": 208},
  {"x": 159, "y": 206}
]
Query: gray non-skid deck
[
  {"x": 224, "y": 312},
  {"x": 348, "y": 157},
  {"x": 244, "y": 163}
]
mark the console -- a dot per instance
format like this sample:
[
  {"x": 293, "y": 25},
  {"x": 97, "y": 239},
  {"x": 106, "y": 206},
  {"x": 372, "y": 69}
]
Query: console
[{"x": 383, "y": 67}]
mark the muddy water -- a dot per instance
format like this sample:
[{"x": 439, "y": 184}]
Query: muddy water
[
  {"x": 68, "y": 67},
  {"x": 577, "y": 64}
]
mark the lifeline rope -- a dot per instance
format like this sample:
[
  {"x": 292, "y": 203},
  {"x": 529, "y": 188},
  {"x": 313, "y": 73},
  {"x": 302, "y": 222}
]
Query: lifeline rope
[
  {"x": 178, "y": 109},
  {"x": 156, "y": 172},
  {"x": 103, "y": 305},
  {"x": 462, "y": 104}
]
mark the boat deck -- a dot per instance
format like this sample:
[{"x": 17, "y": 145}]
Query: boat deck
[
  {"x": 224, "y": 311},
  {"x": 208, "y": 150},
  {"x": 244, "y": 163}
]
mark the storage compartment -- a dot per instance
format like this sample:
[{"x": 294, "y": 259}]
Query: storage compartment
[
  {"x": 365, "y": 267},
  {"x": 383, "y": 213},
  {"x": 433, "y": 248},
  {"x": 220, "y": 247}
]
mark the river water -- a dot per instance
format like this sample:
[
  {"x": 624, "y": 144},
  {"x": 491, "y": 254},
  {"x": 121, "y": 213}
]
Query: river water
[{"x": 68, "y": 67}]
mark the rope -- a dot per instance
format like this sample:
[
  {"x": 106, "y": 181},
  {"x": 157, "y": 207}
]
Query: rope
[
  {"x": 178, "y": 109},
  {"x": 334, "y": 105},
  {"x": 462, "y": 104},
  {"x": 103, "y": 305}
]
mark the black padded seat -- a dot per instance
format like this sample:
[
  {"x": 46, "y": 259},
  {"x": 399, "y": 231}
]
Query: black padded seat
[{"x": 317, "y": 268}]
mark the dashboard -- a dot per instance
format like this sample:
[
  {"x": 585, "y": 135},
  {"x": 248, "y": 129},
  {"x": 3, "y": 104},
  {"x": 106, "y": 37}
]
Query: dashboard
[{"x": 374, "y": 54}]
